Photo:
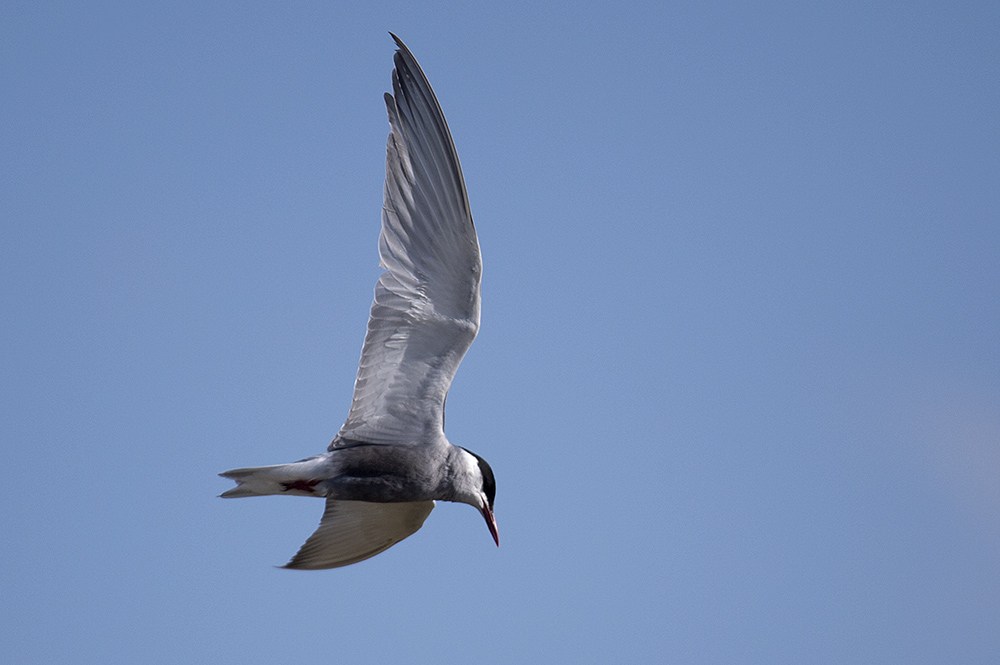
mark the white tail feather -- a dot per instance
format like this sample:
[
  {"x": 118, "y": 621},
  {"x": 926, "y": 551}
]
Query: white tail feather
[{"x": 303, "y": 478}]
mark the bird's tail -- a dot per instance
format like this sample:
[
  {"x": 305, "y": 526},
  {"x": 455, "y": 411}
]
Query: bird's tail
[{"x": 303, "y": 478}]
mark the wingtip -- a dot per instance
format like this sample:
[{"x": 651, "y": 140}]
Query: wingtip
[{"x": 401, "y": 47}]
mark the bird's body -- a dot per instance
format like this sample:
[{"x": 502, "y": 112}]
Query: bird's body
[{"x": 391, "y": 459}]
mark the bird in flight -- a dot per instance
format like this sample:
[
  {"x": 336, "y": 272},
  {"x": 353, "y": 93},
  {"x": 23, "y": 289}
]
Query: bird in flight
[{"x": 391, "y": 461}]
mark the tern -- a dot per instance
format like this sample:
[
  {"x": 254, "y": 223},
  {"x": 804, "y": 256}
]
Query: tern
[{"x": 391, "y": 461}]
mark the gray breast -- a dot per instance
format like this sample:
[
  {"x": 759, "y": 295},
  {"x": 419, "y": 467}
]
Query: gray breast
[{"x": 389, "y": 473}]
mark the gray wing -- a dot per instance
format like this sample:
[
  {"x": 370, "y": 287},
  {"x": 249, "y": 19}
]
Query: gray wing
[
  {"x": 353, "y": 531},
  {"x": 426, "y": 309}
]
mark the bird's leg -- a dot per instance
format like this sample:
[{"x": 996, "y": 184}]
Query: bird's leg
[{"x": 302, "y": 485}]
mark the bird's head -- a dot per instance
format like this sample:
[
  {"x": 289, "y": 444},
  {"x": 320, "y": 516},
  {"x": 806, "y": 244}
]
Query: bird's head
[{"x": 482, "y": 490}]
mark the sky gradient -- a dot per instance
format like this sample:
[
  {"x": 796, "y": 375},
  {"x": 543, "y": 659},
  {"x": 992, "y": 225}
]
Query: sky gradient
[{"x": 738, "y": 374}]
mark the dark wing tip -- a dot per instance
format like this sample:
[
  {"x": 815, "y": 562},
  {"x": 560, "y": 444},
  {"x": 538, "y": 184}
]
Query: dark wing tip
[
  {"x": 404, "y": 55},
  {"x": 400, "y": 45}
]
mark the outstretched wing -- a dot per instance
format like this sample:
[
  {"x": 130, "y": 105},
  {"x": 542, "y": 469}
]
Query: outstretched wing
[
  {"x": 353, "y": 531},
  {"x": 426, "y": 309}
]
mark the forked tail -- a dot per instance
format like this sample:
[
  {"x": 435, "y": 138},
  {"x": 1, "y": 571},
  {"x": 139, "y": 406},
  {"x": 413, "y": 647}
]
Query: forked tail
[{"x": 303, "y": 478}]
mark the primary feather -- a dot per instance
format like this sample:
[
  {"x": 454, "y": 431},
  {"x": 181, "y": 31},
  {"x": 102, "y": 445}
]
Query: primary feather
[{"x": 426, "y": 309}]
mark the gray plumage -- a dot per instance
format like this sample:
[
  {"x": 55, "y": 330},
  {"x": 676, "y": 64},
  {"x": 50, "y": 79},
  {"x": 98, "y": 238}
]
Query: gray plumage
[{"x": 391, "y": 460}]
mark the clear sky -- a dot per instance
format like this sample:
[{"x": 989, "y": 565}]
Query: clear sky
[{"x": 739, "y": 367}]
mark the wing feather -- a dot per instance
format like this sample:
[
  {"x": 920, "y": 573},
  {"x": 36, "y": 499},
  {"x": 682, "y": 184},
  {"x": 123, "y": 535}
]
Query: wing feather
[
  {"x": 353, "y": 531},
  {"x": 426, "y": 309}
]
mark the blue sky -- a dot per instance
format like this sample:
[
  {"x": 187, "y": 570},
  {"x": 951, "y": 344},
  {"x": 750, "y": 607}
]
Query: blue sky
[{"x": 738, "y": 374}]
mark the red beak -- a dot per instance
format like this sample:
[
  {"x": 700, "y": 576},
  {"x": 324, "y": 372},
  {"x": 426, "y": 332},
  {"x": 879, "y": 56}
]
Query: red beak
[{"x": 492, "y": 524}]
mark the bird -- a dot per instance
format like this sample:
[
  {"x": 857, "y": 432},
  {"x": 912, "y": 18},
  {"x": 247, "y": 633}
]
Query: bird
[{"x": 391, "y": 461}]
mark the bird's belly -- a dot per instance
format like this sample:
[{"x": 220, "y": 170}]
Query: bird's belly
[{"x": 378, "y": 489}]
